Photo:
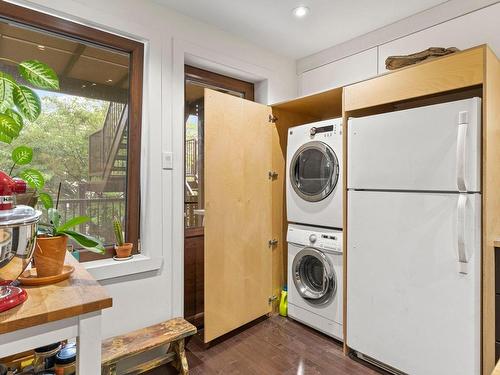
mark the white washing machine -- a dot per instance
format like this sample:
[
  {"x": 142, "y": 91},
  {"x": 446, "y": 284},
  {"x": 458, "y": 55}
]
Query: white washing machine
[
  {"x": 315, "y": 278},
  {"x": 313, "y": 174}
]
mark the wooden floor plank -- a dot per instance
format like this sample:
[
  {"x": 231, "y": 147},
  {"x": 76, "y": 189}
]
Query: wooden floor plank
[{"x": 276, "y": 345}]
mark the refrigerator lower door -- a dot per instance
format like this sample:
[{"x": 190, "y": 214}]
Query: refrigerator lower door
[
  {"x": 433, "y": 148},
  {"x": 410, "y": 305}
]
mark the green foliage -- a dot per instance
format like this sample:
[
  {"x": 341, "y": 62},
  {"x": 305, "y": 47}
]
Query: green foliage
[
  {"x": 117, "y": 227},
  {"x": 56, "y": 228},
  {"x": 60, "y": 141},
  {"x": 33, "y": 178},
  {"x": 39, "y": 74},
  {"x": 46, "y": 200},
  {"x": 18, "y": 101},
  {"x": 9, "y": 126},
  {"x": 7, "y": 85},
  {"x": 22, "y": 155},
  {"x": 28, "y": 102}
]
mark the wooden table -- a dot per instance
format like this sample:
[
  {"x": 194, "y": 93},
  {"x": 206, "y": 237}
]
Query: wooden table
[{"x": 52, "y": 313}]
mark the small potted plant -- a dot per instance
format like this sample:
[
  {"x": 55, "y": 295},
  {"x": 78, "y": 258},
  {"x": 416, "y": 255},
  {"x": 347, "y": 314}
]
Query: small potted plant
[
  {"x": 123, "y": 249},
  {"x": 52, "y": 239}
]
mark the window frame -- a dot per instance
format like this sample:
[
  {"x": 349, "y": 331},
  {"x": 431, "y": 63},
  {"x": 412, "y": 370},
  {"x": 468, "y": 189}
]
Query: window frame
[{"x": 135, "y": 49}]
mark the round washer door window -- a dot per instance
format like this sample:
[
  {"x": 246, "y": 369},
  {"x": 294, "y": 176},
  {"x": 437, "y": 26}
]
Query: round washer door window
[
  {"x": 314, "y": 171},
  {"x": 314, "y": 276}
]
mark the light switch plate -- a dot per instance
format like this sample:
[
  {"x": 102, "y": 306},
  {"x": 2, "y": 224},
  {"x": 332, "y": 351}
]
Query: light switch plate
[{"x": 167, "y": 162}]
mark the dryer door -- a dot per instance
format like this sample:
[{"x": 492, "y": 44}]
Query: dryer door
[
  {"x": 314, "y": 276},
  {"x": 314, "y": 171}
]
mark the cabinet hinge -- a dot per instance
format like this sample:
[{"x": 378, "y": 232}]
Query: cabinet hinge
[
  {"x": 272, "y": 242},
  {"x": 273, "y": 119},
  {"x": 273, "y": 175},
  {"x": 272, "y": 299}
]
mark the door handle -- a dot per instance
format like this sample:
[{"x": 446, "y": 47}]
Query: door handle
[
  {"x": 461, "y": 151},
  {"x": 461, "y": 230}
]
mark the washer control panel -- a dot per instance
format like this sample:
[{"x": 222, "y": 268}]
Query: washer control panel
[{"x": 320, "y": 238}]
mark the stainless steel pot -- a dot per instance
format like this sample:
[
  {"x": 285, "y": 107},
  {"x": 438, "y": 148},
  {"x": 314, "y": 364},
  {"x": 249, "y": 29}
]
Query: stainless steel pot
[{"x": 18, "y": 229}]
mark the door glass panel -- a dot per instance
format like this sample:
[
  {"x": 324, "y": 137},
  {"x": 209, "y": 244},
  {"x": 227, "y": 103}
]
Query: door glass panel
[
  {"x": 312, "y": 272},
  {"x": 313, "y": 171}
]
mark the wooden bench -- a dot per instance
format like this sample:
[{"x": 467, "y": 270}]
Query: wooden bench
[{"x": 171, "y": 332}]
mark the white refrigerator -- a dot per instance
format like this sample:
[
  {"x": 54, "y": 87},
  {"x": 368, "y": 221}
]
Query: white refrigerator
[{"x": 414, "y": 238}]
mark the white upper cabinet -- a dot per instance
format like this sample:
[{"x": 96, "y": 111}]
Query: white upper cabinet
[{"x": 339, "y": 73}]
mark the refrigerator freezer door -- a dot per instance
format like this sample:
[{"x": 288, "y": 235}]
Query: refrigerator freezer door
[
  {"x": 434, "y": 148},
  {"x": 408, "y": 303}
]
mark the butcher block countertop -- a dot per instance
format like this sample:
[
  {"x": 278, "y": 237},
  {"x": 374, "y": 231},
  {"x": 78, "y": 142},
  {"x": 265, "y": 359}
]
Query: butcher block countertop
[{"x": 80, "y": 294}]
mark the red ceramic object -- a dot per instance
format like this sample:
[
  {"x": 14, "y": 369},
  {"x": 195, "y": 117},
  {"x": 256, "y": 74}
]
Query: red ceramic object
[{"x": 13, "y": 296}]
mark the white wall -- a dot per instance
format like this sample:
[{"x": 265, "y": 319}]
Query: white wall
[
  {"x": 368, "y": 53},
  {"x": 146, "y": 298}
]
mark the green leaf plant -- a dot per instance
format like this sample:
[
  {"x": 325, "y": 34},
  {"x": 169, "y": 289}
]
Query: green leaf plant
[
  {"x": 55, "y": 227},
  {"x": 19, "y": 104}
]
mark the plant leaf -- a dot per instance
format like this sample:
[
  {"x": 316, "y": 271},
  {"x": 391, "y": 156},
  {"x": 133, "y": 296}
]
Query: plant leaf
[
  {"x": 9, "y": 126},
  {"x": 16, "y": 117},
  {"x": 46, "y": 200},
  {"x": 39, "y": 74},
  {"x": 33, "y": 178},
  {"x": 77, "y": 220},
  {"x": 5, "y": 138},
  {"x": 28, "y": 102},
  {"x": 88, "y": 242},
  {"x": 22, "y": 155},
  {"x": 7, "y": 85},
  {"x": 54, "y": 217}
]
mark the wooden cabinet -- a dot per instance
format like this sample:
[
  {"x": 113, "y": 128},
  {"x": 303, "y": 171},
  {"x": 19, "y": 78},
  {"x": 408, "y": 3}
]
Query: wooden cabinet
[
  {"x": 245, "y": 208},
  {"x": 245, "y": 152}
]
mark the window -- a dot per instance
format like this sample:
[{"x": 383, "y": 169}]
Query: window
[{"x": 86, "y": 142}]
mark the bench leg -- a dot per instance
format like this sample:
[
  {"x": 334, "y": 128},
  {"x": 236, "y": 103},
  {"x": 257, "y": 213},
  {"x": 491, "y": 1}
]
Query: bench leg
[
  {"x": 109, "y": 370},
  {"x": 181, "y": 363}
]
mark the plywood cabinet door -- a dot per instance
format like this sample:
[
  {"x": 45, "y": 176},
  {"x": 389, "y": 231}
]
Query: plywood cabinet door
[{"x": 238, "y": 205}]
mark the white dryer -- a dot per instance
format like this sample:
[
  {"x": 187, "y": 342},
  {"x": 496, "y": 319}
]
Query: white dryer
[
  {"x": 313, "y": 174},
  {"x": 315, "y": 278}
]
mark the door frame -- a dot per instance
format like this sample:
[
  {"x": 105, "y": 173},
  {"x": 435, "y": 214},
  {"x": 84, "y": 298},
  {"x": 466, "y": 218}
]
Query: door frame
[{"x": 185, "y": 53}]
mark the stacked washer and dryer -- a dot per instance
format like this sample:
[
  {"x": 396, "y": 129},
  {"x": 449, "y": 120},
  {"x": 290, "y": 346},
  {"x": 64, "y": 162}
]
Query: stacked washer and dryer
[{"x": 314, "y": 212}]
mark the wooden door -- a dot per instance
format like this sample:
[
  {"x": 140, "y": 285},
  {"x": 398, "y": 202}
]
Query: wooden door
[{"x": 238, "y": 207}]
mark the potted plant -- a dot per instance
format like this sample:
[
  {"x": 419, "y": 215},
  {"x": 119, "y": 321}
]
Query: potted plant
[
  {"x": 52, "y": 240},
  {"x": 123, "y": 249}
]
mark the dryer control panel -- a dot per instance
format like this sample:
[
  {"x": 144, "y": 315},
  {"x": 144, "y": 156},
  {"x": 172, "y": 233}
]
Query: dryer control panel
[{"x": 320, "y": 238}]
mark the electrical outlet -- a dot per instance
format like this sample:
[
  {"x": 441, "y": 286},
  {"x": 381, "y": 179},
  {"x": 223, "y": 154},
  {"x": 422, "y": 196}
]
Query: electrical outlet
[{"x": 167, "y": 162}]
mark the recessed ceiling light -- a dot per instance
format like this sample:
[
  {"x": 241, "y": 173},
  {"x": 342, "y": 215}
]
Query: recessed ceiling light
[
  {"x": 109, "y": 80},
  {"x": 300, "y": 11}
]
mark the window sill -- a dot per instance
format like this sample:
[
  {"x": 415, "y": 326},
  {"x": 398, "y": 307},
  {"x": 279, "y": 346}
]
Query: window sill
[{"x": 108, "y": 268}]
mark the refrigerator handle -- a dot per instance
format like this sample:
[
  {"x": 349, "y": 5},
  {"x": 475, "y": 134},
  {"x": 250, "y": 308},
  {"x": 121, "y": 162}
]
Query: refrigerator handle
[
  {"x": 461, "y": 230},
  {"x": 461, "y": 147}
]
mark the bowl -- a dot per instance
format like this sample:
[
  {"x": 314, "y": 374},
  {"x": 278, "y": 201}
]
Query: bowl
[{"x": 18, "y": 228}]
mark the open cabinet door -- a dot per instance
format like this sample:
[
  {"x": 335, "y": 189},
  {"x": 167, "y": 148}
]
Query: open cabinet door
[{"x": 238, "y": 208}]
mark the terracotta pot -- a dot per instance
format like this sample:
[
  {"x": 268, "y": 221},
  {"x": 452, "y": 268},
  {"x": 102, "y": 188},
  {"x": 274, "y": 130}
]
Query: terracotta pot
[
  {"x": 124, "y": 251},
  {"x": 49, "y": 255}
]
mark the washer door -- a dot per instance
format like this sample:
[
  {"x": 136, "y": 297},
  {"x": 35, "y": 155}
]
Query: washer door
[
  {"x": 314, "y": 276},
  {"x": 314, "y": 171}
]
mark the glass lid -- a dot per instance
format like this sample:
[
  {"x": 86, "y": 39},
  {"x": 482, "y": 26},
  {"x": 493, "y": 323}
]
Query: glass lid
[{"x": 19, "y": 215}]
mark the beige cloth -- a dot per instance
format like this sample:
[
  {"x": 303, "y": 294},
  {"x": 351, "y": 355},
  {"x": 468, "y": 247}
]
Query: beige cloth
[{"x": 396, "y": 62}]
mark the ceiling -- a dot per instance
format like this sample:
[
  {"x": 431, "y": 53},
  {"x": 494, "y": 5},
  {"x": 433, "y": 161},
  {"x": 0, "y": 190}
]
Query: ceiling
[
  {"x": 83, "y": 69},
  {"x": 271, "y": 24}
]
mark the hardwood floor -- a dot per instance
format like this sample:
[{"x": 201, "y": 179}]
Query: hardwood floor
[{"x": 274, "y": 346}]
